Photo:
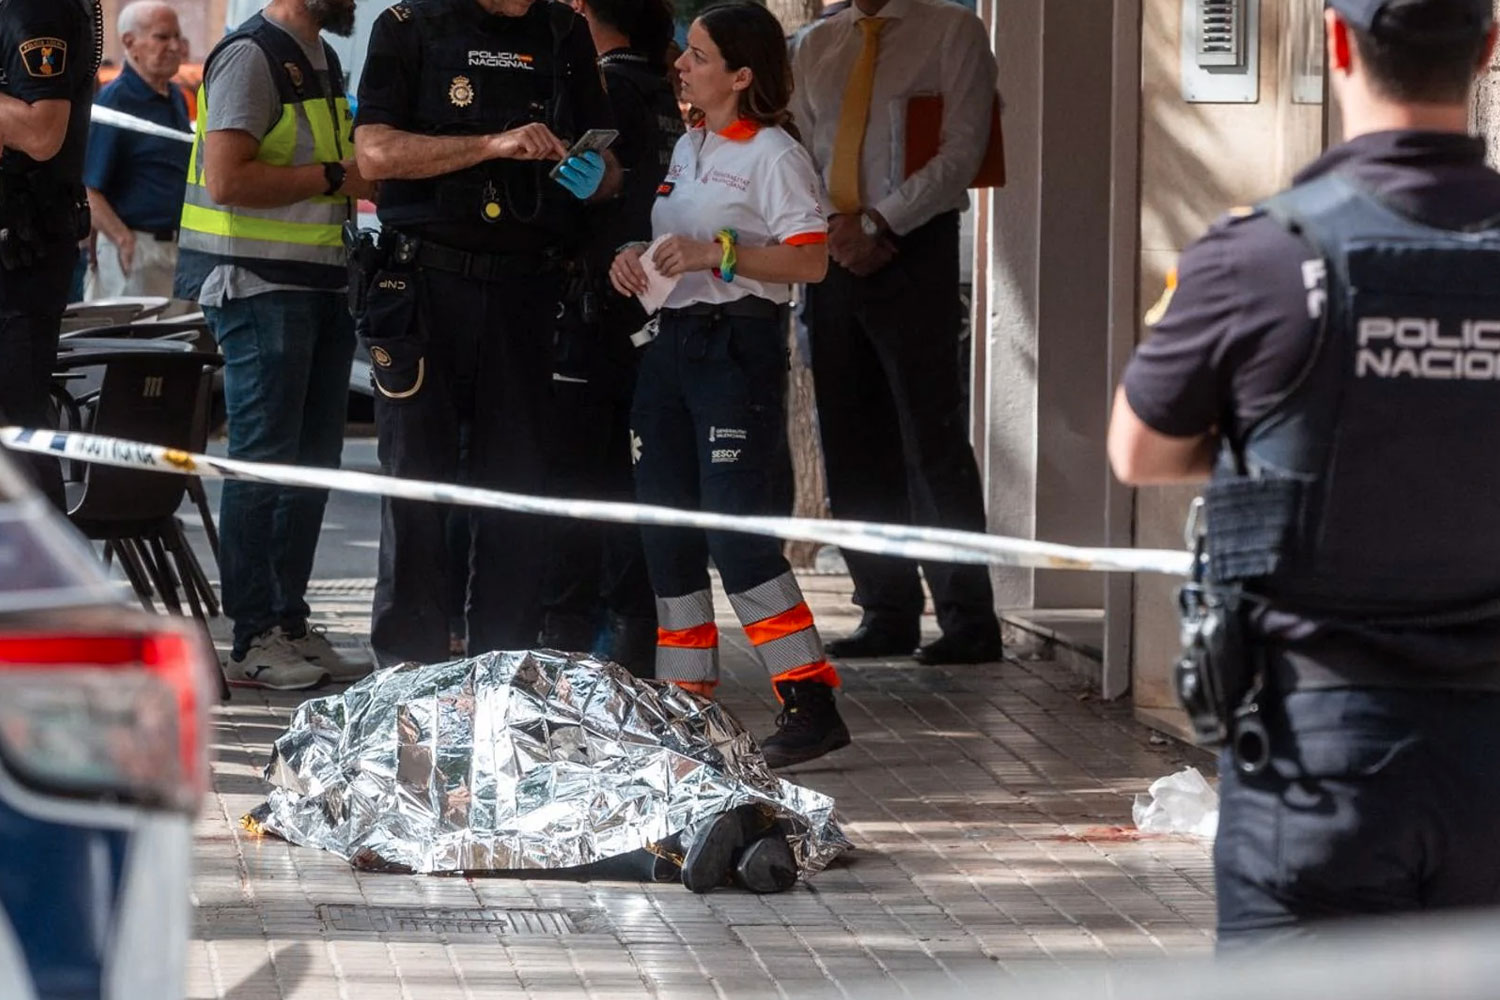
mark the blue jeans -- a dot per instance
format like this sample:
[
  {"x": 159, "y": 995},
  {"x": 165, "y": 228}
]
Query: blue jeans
[{"x": 286, "y": 388}]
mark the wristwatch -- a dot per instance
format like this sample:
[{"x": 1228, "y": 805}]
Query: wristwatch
[
  {"x": 868, "y": 225},
  {"x": 334, "y": 174}
]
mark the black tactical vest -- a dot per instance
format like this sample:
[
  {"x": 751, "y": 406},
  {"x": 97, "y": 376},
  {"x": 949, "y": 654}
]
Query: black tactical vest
[
  {"x": 482, "y": 74},
  {"x": 1369, "y": 495},
  {"x": 645, "y": 151}
]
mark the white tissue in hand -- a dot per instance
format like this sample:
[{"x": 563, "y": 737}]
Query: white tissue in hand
[
  {"x": 1179, "y": 803},
  {"x": 658, "y": 286}
]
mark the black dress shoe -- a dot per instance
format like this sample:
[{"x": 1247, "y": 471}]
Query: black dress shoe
[
  {"x": 767, "y": 865},
  {"x": 873, "y": 640},
  {"x": 962, "y": 649},
  {"x": 808, "y": 727}
]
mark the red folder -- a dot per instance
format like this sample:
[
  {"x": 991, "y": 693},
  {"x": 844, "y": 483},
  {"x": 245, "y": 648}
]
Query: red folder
[{"x": 924, "y": 133}]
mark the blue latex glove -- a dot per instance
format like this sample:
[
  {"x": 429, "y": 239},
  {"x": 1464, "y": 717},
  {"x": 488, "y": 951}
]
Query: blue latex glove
[{"x": 582, "y": 174}]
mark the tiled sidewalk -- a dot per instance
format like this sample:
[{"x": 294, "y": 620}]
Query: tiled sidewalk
[{"x": 990, "y": 806}]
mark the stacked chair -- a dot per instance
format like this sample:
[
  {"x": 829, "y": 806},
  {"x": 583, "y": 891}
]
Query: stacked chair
[{"x": 151, "y": 382}]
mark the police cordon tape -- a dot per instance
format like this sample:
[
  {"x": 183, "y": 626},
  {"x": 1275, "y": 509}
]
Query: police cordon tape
[
  {"x": 119, "y": 119},
  {"x": 906, "y": 541}
]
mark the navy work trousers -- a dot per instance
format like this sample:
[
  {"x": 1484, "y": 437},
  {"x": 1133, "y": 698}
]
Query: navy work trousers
[
  {"x": 710, "y": 430},
  {"x": 446, "y": 349},
  {"x": 1377, "y": 802}
]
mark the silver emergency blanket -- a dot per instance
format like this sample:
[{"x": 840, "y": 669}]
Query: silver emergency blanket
[{"x": 520, "y": 761}]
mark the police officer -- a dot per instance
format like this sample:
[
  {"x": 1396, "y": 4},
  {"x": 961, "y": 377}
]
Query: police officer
[
  {"x": 1329, "y": 359},
  {"x": 593, "y": 566},
  {"x": 49, "y": 53},
  {"x": 466, "y": 108}
]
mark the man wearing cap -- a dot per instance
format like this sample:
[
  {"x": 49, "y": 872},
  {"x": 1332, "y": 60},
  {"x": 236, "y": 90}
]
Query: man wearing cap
[{"x": 1328, "y": 361}]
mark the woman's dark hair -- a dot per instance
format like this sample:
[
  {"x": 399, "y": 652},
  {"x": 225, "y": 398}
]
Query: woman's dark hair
[
  {"x": 1422, "y": 52},
  {"x": 649, "y": 24},
  {"x": 748, "y": 35}
]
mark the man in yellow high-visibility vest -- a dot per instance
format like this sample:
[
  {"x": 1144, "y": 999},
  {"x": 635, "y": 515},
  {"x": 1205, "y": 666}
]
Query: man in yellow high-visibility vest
[{"x": 271, "y": 182}]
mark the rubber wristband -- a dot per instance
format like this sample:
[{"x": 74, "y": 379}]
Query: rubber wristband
[{"x": 725, "y": 271}]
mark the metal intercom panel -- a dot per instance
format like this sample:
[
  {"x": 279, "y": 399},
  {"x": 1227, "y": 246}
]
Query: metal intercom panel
[
  {"x": 1221, "y": 33},
  {"x": 1221, "y": 51}
]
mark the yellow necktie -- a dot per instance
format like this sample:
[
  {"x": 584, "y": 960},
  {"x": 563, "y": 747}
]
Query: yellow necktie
[{"x": 843, "y": 179}]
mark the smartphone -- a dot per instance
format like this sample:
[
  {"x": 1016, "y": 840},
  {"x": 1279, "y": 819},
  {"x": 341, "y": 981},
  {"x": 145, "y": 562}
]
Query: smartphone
[{"x": 597, "y": 139}]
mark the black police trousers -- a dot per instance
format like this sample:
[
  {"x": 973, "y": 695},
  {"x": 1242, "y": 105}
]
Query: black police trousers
[
  {"x": 710, "y": 434},
  {"x": 594, "y": 565},
  {"x": 1377, "y": 802},
  {"x": 895, "y": 427},
  {"x": 32, "y": 300},
  {"x": 446, "y": 349}
]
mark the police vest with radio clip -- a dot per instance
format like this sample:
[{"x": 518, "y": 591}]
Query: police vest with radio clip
[
  {"x": 471, "y": 84},
  {"x": 1369, "y": 490}
]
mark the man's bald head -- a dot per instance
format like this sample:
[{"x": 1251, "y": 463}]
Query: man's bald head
[{"x": 152, "y": 40}]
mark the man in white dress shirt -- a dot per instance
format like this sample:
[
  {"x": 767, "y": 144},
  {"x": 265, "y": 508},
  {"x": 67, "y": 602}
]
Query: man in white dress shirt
[{"x": 885, "y": 324}]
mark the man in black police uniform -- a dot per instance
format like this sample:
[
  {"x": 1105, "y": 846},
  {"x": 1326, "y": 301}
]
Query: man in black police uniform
[
  {"x": 464, "y": 107},
  {"x": 1331, "y": 359},
  {"x": 595, "y": 566},
  {"x": 49, "y": 52}
]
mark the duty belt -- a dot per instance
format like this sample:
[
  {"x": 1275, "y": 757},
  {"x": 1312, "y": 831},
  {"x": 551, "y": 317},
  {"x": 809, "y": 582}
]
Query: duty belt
[
  {"x": 750, "y": 307},
  {"x": 483, "y": 266}
]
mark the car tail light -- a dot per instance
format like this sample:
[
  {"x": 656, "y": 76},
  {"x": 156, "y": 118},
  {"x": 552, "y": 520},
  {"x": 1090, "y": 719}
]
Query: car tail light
[{"x": 116, "y": 716}]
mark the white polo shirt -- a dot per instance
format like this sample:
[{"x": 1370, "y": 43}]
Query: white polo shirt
[{"x": 756, "y": 180}]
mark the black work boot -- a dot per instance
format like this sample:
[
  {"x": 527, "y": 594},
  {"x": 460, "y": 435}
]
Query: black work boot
[
  {"x": 568, "y": 633},
  {"x": 711, "y": 849},
  {"x": 767, "y": 865},
  {"x": 632, "y": 644},
  {"x": 808, "y": 727}
]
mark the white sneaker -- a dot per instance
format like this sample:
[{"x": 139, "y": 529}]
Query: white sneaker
[
  {"x": 273, "y": 662},
  {"x": 341, "y": 665}
]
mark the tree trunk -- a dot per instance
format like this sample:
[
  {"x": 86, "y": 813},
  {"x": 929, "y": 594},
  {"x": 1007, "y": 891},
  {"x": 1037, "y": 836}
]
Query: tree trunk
[{"x": 811, "y": 495}]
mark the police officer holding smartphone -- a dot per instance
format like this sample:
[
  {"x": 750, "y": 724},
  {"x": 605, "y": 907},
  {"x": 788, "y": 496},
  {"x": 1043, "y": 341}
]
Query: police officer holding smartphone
[
  {"x": 49, "y": 53},
  {"x": 467, "y": 110},
  {"x": 1328, "y": 360}
]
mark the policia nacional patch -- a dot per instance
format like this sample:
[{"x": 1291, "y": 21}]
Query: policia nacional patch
[{"x": 45, "y": 57}]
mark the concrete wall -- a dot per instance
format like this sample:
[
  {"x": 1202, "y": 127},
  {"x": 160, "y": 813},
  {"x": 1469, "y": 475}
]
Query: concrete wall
[
  {"x": 1196, "y": 161},
  {"x": 1043, "y": 243}
]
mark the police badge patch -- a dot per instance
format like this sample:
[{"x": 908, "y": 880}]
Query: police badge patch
[
  {"x": 295, "y": 72},
  {"x": 45, "y": 57},
  {"x": 461, "y": 92}
]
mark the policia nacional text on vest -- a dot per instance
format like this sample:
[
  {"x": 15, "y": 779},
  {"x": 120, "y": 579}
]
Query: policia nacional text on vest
[
  {"x": 499, "y": 206},
  {"x": 1365, "y": 506},
  {"x": 299, "y": 244}
]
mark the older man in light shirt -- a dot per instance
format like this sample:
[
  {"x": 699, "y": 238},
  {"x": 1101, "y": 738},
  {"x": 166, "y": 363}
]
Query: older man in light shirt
[
  {"x": 135, "y": 181},
  {"x": 885, "y": 324}
]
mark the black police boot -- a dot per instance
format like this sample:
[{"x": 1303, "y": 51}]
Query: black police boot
[
  {"x": 632, "y": 644},
  {"x": 711, "y": 850},
  {"x": 767, "y": 865},
  {"x": 808, "y": 727},
  {"x": 567, "y": 632}
]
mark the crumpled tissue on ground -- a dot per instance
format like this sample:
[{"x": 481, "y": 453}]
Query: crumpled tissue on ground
[
  {"x": 1179, "y": 803},
  {"x": 520, "y": 760}
]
